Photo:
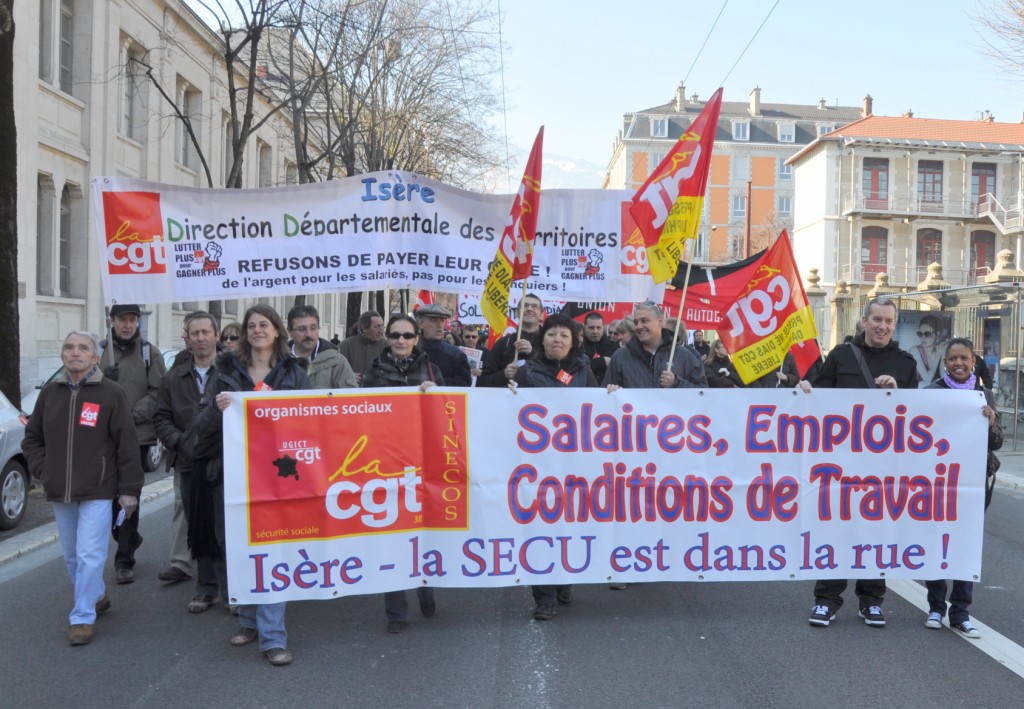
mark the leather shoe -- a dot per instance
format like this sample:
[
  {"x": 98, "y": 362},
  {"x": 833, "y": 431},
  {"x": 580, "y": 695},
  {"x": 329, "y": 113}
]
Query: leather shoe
[
  {"x": 125, "y": 576},
  {"x": 428, "y": 608},
  {"x": 172, "y": 574},
  {"x": 279, "y": 656},
  {"x": 244, "y": 636},
  {"x": 103, "y": 605},
  {"x": 80, "y": 634},
  {"x": 202, "y": 603}
]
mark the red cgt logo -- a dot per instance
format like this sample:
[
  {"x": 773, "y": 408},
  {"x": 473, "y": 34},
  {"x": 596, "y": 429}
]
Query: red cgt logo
[
  {"x": 134, "y": 233},
  {"x": 90, "y": 415}
]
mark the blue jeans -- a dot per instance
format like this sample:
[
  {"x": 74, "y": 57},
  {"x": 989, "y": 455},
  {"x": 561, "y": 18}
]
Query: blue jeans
[
  {"x": 268, "y": 619},
  {"x": 83, "y": 528}
]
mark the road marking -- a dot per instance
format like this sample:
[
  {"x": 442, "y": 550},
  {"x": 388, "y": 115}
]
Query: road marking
[{"x": 997, "y": 646}]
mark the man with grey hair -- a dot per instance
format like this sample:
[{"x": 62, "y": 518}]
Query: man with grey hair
[
  {"x": 80, "y": 441},
  {"x": 872, "y": 360},
  {"x": 365, "y": 346},
  {"x": 643, "y": 363}
]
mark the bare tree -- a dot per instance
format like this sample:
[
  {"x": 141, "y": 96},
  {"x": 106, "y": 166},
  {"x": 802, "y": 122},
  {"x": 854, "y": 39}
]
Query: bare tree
[
  {"x": 1003, "y": 23},
  {"x": 10, "y": 348}
]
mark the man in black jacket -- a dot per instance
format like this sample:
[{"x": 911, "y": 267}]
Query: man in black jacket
[
  {"x": 503, "y": 359},
  {"x": 450, "y": 360},
  {"x": 597, "y": 346},
  {"x": 872, "y": 360},
  {"x": 179, "y": 394}
]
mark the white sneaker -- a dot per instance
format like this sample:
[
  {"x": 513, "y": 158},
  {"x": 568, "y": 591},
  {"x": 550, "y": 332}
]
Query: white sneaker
[
  {"x": 934, "y": 620},
  {"x": 966, "y": 629}
]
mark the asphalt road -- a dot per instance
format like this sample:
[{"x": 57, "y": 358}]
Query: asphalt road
[{"x": 658, "y": 645}]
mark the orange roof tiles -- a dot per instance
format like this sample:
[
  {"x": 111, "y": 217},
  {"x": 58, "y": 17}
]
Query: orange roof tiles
[{"x": 932, "y": 129}]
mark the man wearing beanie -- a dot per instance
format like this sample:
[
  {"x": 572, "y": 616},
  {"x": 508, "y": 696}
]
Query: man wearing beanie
[{"x": 137, "y": 366}]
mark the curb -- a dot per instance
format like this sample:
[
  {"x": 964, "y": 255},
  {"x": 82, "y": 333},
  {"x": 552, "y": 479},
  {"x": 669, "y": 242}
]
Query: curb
[{"x": 46, "y": 534}]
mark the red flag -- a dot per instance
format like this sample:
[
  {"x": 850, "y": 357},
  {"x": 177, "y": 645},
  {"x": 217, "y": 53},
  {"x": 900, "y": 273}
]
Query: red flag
[
  {"x": 515, "y": 249},
  {"x": 711, "y": 291},
  {"x": 424, "y": 297},
  {"x": 806, "y": 353},
  {"x": 769, "y": 316},
  {"x": 667, "y": 207}
]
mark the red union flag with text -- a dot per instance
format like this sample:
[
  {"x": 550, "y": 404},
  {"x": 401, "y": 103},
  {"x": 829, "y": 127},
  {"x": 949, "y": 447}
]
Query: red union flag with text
[
  {"x": 134, "y": 233},
  {"x": 769, "y": 316},
  {"x": 515, "y": 249},
  {"x": 667, "y": 207}
]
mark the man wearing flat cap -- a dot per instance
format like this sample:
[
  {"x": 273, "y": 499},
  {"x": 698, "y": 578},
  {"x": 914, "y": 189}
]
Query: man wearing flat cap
[
  {"x": 449, "y": 359},
  {"x": 137, "y": 366}
]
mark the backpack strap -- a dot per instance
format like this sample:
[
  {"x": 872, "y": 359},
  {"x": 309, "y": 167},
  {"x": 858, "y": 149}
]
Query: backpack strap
[{"x": 859, "y": 356}]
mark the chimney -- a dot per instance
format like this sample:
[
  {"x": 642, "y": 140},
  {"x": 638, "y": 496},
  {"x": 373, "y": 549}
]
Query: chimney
[
  {"x": 987, "y": 117},
  {"x": 908, "y": 114},
  {"x": 694, "y": 98},
  {"x": 680, "y": 97},
  {"x": 821, "y": 104},
  {"x": 866, "y": 111},
  {"x": 755, "y": 101}
]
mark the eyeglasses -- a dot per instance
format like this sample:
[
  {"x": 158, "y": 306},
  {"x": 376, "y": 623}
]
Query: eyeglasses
[
  {"x": 229, "y": 338},
  {"x": 925, "y": 334},
  {"x": 402, "y": 335}
]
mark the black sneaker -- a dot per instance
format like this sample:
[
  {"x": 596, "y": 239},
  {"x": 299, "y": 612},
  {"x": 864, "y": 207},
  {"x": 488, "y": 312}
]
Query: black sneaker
[
  {"x": 564, "y": 596},
  {"x": 872, "y": 616},
  {"x": 544, "y": 612},
  {"x": 821, "y": 615}
]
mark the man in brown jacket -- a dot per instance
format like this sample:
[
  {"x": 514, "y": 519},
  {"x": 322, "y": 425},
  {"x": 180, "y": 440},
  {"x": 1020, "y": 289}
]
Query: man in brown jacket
[{"x": 80, "y": 441}]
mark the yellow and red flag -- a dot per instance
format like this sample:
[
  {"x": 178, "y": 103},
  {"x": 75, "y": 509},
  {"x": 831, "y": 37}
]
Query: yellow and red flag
[
  {"x": 667, "y": 207},
  {"x": 769, "y": 316},
  {"x": 515, "y": 249}
]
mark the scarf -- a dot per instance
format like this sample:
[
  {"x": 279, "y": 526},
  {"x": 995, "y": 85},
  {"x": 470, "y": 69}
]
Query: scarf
[{"x": 971, "y": 383}]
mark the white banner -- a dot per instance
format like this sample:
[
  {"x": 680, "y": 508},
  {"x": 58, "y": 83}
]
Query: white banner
[
  {"x": 353, "y": 492},
  {"x": 163, "y": 243}
]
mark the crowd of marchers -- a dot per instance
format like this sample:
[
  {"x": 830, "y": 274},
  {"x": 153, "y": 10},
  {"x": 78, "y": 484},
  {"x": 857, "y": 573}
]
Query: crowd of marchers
[{"x": 91, "y": 426}]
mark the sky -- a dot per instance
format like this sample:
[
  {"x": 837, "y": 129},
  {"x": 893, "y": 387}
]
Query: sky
[{"x": 576, "y": 66}]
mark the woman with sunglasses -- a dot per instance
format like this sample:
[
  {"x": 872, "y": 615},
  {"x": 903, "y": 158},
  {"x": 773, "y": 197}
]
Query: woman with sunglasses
[
  {"x": 229, "y": 337},
  {"x": 403, "y": 363},
  {"x": 262, "y": 362},
  {"x": 960, "y": 360},
  {"x": 928, "y": 352}
]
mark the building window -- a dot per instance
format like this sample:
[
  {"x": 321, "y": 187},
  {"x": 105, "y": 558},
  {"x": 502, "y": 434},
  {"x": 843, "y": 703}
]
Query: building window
[
  {"x": 190, "y": 103},
  {"x": 44, "y": 235},
  {"x": 983, "y": 253},
  {"x": 787, "y": 133},
  {"x": 64, "y": 250},
  {"x": 785, "y": 171},
  {"x": 133, "y": 118},
  {"x": 741, "y": 130},
  {"x": 67, "y": 56},
  {"x": 929, "y": 185},
  {"x": 656, "y": 159},
  {"x": 740, "y": 168},
  {"x": 983, "y": 180},
  {"x": 266, "y": 169},
  {"x": 784, "y": 207},
  {"x": 929, "y": 250},
  {"x": 824, "y": 128},
  {"x": 659, "y": 127},
  {"x": 46, "y": 41},
  {"x": 874, "y": 251},
  {"x": 739, "y": 206},
  {"x": 876, "y": 183},
  {"x": 291, "y": 173}
]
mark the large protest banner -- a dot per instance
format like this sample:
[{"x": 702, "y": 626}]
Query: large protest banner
[
  {"x": 331, "y": 494},
  {"x": 162, "y": 243}
]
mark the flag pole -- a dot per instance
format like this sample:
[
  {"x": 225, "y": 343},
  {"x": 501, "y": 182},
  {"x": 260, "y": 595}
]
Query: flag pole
[
  {"x": 682, "y": 301},
  {"x": 519, "y": 329}
]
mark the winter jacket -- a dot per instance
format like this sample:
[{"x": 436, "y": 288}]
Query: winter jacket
[
  {"x": 633, "y": 367},
  {"x": 501, "y": 355},
  {"x": 80, "y": 441},
  {"x": 386, "y": 371},
  {"x": 450, "y": 361},
  {"x": 841, "y": 370},
  {"x": 176, "y": 403},
  {"x": 360, "y": 352},
  {"x": 539, "y": 371},
  {"x": 329, "y": 369},
  {"x": 595, "y": 352},
  {"x": 772, "y": 381},
  {"x": 140, "y": 383},
  {"x": 716, "y": 380}
]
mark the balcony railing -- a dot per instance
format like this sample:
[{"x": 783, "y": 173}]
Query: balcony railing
[
  {"x": 903, "y": 276},
  {"x": 874, "y": 203}
]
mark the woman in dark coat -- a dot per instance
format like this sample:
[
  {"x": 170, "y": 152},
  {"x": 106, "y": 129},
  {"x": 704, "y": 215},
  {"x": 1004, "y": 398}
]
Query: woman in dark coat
[
  {"x": 262, "y": 362},
  {"x": 403, "y": 363},
  {"x": 719, "y": 369},
  {"x": 959, "y": 361},
  {"x": 556, "y": 363}
]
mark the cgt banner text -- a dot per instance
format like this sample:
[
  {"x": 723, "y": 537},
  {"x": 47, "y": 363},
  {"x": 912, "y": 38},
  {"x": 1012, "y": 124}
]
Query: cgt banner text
[
  {"x": 330, "y": 494},
  {"x": 162, "y": 243}
]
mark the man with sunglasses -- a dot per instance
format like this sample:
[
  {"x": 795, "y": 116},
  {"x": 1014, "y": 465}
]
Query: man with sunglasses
[
  {"x": 450, "y": 360},
  {"x": 328, "y": 368}
]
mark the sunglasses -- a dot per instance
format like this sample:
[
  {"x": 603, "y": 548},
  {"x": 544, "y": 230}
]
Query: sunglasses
[
  {"x": 925, "y": 334},
  {"x": 229, "y": 338},
  {"x": 402, "y": 335}
]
